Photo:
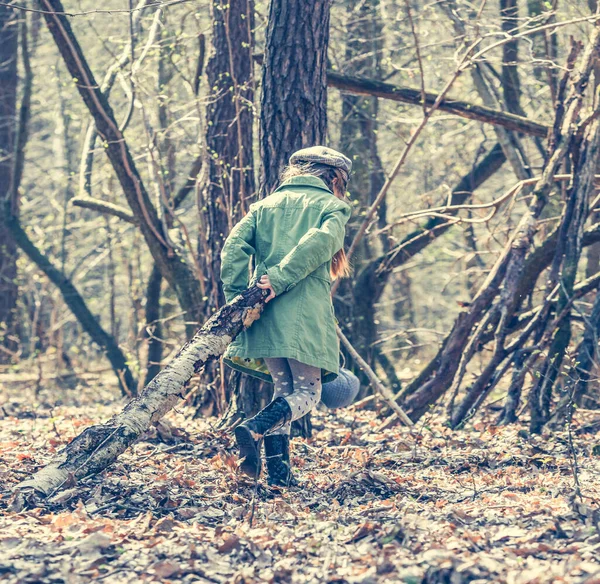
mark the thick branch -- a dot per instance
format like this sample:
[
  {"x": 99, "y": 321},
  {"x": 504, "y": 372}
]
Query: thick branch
[
  {"x": 105, "y": 207},
  {"x": 464, "y": 109},
  {"x": 99, "y": 446}
]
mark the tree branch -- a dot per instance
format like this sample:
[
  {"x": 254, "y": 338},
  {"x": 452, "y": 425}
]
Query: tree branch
[
  {"x": 106, "y": 208},
  {"x": 464, "y": 109},
  {"x": 100, "y": 445},
  {"x": 386, "y": 395}
]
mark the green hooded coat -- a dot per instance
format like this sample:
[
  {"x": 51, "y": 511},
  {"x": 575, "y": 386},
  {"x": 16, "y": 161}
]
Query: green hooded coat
[{"x": 293, "y": 234}]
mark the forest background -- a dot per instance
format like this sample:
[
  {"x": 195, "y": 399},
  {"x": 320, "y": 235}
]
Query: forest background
[
  {"x": 205, "y": 146},
  {"x": 134, "y": 136}
]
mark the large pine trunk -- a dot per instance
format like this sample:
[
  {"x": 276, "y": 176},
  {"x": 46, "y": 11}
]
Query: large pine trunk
[
  {"x": 294, "y": 91},
  {"x": 8, "y": 248},
  {"x": 294, "y": 100}
]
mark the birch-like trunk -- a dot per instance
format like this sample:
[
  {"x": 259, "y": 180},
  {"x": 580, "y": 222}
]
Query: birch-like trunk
[{"x": 99, "y": 446}]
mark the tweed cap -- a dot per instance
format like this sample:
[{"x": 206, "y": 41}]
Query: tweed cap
[{"x": 323, "y": 155}]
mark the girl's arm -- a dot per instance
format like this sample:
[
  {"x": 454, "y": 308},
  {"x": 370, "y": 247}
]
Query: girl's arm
[
  {"x": 317, "y": 246},
  {"x": 235, "y": 255}
]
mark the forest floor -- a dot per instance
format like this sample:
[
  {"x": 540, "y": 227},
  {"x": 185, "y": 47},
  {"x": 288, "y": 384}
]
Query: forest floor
[{"x": 429, "y": 505}]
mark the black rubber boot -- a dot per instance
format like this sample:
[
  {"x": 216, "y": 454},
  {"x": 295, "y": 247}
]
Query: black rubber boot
[
  {"x": 277, "y": 453},
  {"x": 249, "y": 434}
]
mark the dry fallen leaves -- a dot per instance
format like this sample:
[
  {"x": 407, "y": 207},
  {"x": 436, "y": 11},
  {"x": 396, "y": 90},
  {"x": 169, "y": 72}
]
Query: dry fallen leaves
[{"x": 486, "y": 504}]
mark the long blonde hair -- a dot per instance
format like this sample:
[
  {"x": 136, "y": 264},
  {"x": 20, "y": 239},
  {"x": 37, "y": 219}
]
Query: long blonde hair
[{"x": 337, "y": 182}]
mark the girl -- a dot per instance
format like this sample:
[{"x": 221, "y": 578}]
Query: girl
[{"x": 296, "y": 236}]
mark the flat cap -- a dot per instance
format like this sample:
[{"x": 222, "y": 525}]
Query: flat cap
[{"x": 322, "y": 155}]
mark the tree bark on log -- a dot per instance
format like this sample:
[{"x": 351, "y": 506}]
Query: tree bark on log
[{"x": 99, "y": 446}]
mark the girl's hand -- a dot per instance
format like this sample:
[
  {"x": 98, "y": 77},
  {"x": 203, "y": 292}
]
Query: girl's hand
[{"x": 265, "y": 284}]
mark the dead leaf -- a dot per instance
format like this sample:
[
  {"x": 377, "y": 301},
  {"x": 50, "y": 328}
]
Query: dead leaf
[{"x": 230, "y": 542}]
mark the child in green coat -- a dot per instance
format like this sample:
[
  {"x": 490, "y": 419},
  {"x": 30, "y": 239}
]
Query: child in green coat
[{"x": 296, "y": 236}]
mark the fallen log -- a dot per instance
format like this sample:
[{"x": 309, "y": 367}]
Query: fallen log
[{"x": 99, "y": 446}]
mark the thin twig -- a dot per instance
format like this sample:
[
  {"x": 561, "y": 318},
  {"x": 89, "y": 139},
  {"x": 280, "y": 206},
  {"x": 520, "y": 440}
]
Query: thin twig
[
  {"x": 512, "y": 192},
  {"x": 385, "y": 394},
  {"x": 419, "y": 59}
]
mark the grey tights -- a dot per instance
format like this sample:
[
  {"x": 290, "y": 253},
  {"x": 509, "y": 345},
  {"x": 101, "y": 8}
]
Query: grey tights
[{"x": 298, "y": 383}]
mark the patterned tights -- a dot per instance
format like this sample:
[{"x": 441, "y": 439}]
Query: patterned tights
[{"x": 298, "y": 383}]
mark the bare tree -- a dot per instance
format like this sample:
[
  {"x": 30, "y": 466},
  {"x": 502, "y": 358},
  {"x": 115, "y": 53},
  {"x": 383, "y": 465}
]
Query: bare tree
[
  {"x": 484, "y": 314},
  {"x": 229, "y": 186},
  {"x": 8, "y": 203}
]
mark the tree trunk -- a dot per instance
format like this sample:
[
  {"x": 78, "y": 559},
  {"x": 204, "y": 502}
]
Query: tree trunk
[
  {"x": 565, "y": 266},
  {"x": 358, "y": 140},
  {"x": 229, "y": 188},
  {"x": 294, "y": 90},
  {"x": 294, "y": 96},
  {"x": 511, "y": 85},
  {"x": 230, "y": 178},
  {"x": 99, "y": 446},
  {"x": 8, "y": 248}
]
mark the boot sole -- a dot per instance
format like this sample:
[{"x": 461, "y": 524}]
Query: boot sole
[{"x": 249, "y": 452}]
